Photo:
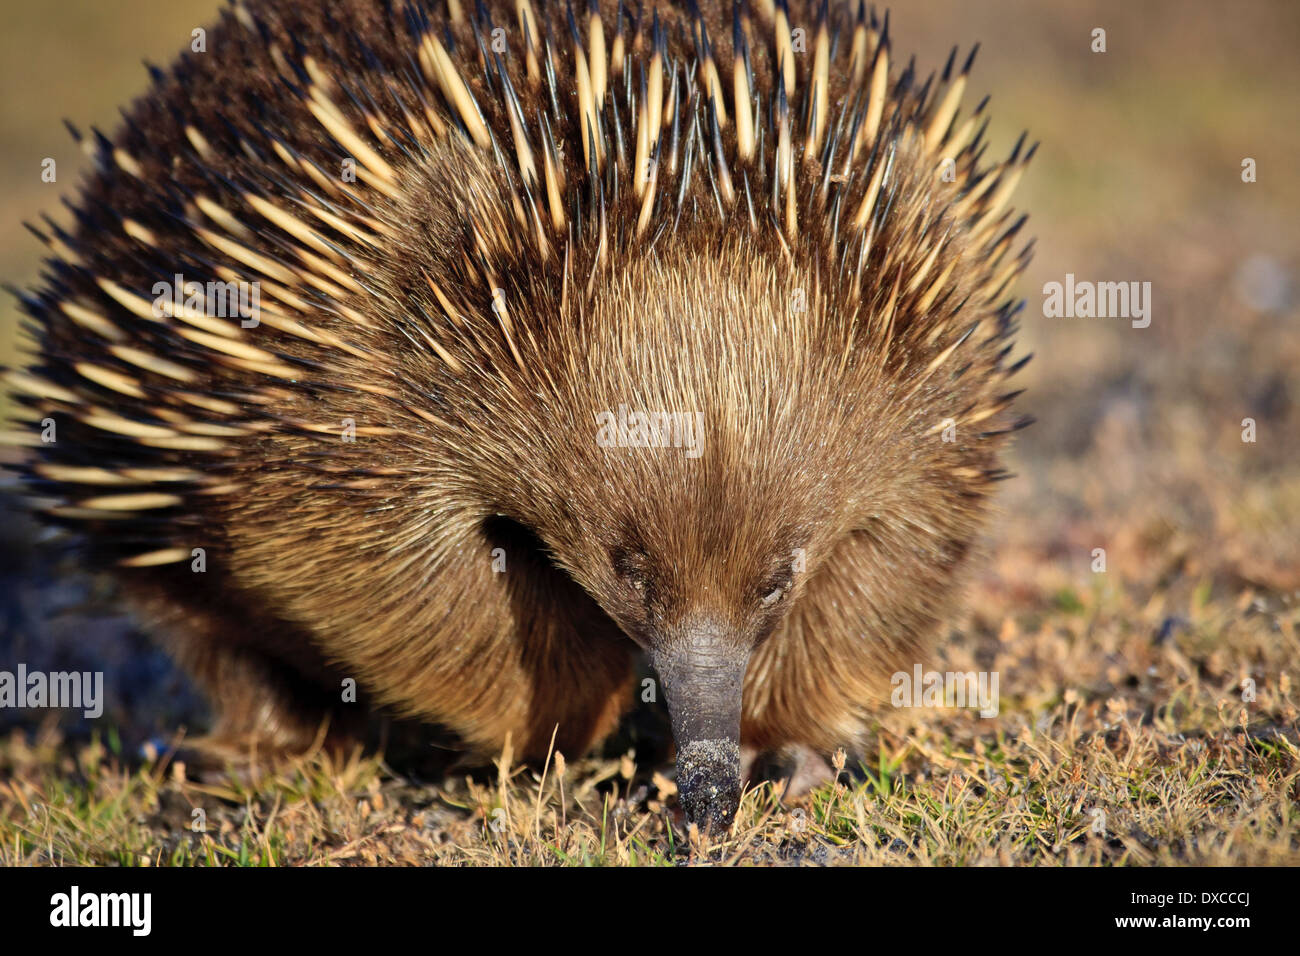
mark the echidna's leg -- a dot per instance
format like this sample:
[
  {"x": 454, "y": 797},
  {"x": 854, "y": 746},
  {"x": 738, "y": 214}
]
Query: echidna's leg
[
  {"x": 574, "y": 664},
  {"x": 796, "y": 768},
  {"x": 263, "y": 704}
]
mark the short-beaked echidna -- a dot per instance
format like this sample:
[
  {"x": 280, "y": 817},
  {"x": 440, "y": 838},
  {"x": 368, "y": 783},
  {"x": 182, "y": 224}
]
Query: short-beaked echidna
[{"x": 558, "y": 333}]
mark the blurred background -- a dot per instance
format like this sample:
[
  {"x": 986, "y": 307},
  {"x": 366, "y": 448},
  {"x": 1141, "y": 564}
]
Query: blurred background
[{"x": 1138, "y": 446}]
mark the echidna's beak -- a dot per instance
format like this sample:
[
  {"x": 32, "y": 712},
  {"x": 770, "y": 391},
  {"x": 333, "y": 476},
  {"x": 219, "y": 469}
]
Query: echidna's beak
[{"x": 702, "y": 675}]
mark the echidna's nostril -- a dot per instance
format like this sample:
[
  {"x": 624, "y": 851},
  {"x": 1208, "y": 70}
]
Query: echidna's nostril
[{"x": 708, "y": 779}]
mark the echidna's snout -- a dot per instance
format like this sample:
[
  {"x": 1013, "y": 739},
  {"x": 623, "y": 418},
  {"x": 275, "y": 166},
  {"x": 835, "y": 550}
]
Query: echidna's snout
[{"x": 703, "y": 674}]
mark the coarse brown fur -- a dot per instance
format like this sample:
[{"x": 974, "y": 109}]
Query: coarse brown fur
[{"x": 395, "y": 477}]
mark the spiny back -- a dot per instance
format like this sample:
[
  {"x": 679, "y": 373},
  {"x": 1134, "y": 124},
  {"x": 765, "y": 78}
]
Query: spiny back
[{"x": 418, "y": 188}]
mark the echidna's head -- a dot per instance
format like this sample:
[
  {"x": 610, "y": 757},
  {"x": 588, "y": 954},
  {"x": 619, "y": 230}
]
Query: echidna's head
[{"x": 697, "y": 460}]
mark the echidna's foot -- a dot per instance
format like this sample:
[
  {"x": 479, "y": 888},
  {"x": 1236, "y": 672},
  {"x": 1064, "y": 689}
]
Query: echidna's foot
[
  {"x": 247, "y": 756},
  {"x": 219, "y": 759},
  {"x": 267, "y": 721},
  {"x": 228, "y": 753},
  {"x": 708, "y": 779},
  {"x": 273, "y": 695},
  {"x": 794, "y": 769}
]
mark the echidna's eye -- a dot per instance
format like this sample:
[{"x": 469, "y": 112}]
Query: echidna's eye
[
  {"x": 777, "y": 587},
  {"x": 630, "y": 565},
  {"x": 640, "y": 585}
]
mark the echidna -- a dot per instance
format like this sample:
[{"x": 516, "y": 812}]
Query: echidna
[{"x": 672, "y": 327}]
